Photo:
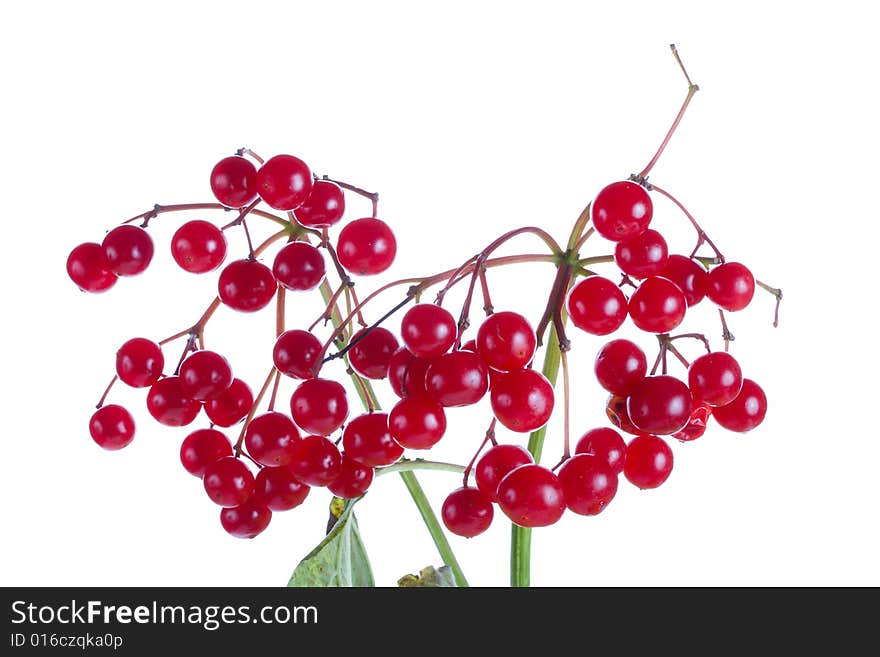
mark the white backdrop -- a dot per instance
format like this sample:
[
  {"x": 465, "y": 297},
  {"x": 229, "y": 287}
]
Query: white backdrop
[{"x": 470, "y": 119}]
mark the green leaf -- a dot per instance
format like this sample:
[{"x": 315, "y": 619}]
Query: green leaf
[
  {"x": 429, "y": 577},
  {"x": 339, "y": 560}
]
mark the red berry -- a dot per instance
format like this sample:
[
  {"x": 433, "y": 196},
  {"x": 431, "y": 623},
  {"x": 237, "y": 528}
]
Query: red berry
[
  {"x": 324, "y": 206},
  {"x": 271, "y": 438},
  {"x": 246, "y": 285},
  {"x": 689, "y": 275},
  {"x": 201, "y": 448},
  {"x": 470, "y": 345},
  {"x": 506, "y": 341},
  {"x": 620, "y": 365},
  {"x": 731, "y": 286},
  {"x": 128, "y": 250},
  {"x": 615, "y": 409},
  {"x": 622, "y": 210},
  {"x": 228, "y": 481},
  {"x": 605, "y": 443},
  {"x": 372, "y": 352},
  {"x": 315, "y": 460},
  {"x": 366, "y": 246},
  {"x": 353, "y": 479},
  {"x": 697, "y": 423},
  {"x": 496, "y": 463},
  {"x": 168, "y": 404},
  {"x": 417, "y": 422},
  {"x": 89, "y": 269},
  {"x": 596, "y": 305},
  {"x": 660, "y": 404},
  {"x": 715, "y": 378},
  {"x": 198, "y": 247},
  {"x": 428, "y": 330},
  {"x": 746, "y": 411},
  {"x": 588, "y": 483},
  {"x": 279, "y": 489},
  {"x": 231, "y": 405},
  {"x": 112, "y": 427},
  {"x": 522, "y": 400},
  {"x": 319, "y": 406},
  {"x": 467, "y": 512},
  {"x": 648, "y": 461},
  {"x": 234, "y": 181},
  {"x": 459, "y": 378},
  {"x": 406, "y": 373},
  {"x": 204, "y": 375},
  {"x": 643, "y": 255},
  {"x": 531, "y": 496},
  {"x": 284, "y": 182},
  {"x": 299, "y": 266},
  {"x": 247, "y": 519},
  {"x": 296, "y": 352},
  {"x": 139, "y": 362},
  {"x": 658, "y": 305},
  {"x": 367, "y": 440}
]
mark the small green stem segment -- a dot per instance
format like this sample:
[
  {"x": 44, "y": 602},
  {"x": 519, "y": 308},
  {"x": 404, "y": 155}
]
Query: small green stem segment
[{"x": 405, "y": 465}]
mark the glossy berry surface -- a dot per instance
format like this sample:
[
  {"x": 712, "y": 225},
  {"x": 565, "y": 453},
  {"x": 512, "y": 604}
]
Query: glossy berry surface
[
  {"x": 198, "y": 247},
  {"x": 622, "y": 210},
  {"x": 643, "y": 255},
  {"x": 496, "y": 463},
  {"x": 522, "y": 400},
  {"x": 112, "y": 427},
  {"x": 467, "y": 512},
  {"x": 417, "y": 422},
  {"x": 270, "y": 439},
  {"x": 428, "y": 330},
  {"x": 588, "y": 483},
  {"x": 231, "y": 405},
  {"x": 658, "y": 305},
  {"x": 234, "y": 181},
  {"x": 128, "y": 250},
  {"x": 690, "y": 276},
  {"x": 228, "y": 481},
  {"x": 746, "y": 411},
  {"x": 296, "y": 353},
  {"x": 459, "y": 378},
  {"x": 298, "y": 266},
  {"x": 169, "y": 405},
  {"x": 353, "y": 479},
  {"x": 596, "y": 305},
  {"x": 366, "y": 246},
  {"x": 139, "y": 362},
  {"x": 88, "y": 268},
  {"x": 506, "y": 341},
  {"x": 531, "y": 496},
  {"x": 696, "y": 425},
  {"x": 204, "y": 375},
  {"x": 324, "y": 206},
  {"x": 315, "y": 460},
  {"x": 406, "y": 373},
  {"x": 660, "y": 404},
  {"x": 648, "y": 461},
  {"x": 246, "y": 285},
  {"x": 619, "y": 366},
  {"x": 246, "y": 520},
  {"x": 279, "y": 489},
  {"x": 201, "y": 448},
  {"x": 605, "y": 443},
  {"x": 284, "y": 182},
  {"x": 319, "y": 406},
  {"x": 731, "y": 286},
  {"x": 372, "y": 352},
  {"x": 715, "y": 378},
  {"x": 367, "y": 440},
  {"x": 615, "y": 410}
]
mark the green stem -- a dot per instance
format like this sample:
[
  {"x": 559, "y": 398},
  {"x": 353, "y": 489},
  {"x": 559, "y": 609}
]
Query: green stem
[{"x": 404, "y": 465}]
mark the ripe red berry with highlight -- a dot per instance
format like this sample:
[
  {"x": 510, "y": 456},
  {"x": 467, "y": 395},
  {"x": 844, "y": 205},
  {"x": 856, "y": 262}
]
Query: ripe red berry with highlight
[
  {"x": 619, "y": 366},
  {"x": 522, "y": 400},
  {"x": 246, "y": 520},
  {"x": 658, "y": 305},
  {"x": 372, "y": 352},
  {"x": 697, "y": 423},
  {"x": 615, "y": 409},
  {"x": 459, "y": 378},
  {"x": 169, "y": 405},
  {"x": 588, "y": 483},
  {"x": 204, "y": 375},
  {"x": 643, "y": 255},
  {"x": 353, "y": 479},
  {"x": 296, "y": 353},
  {"x": 201, "y": 448},
  {"x": 496, "y": 463},
  {"x": 234, "y": 181},
  {"x": 531, "y": 496},
  {"x": 279, "y": 489},
  {"x": 596, "y": 305},
  {"x": 319, "y": 406},
  {"x": 315, "y": 460},
  {"x": 128, "y": 250},
  {"x": 246, "y": 285},
  {"x": 506, "y": 341},
  {"x": 467, "y": 512},
  {"x": 299, "y": 266},
  {"x": 368, "y": 440},
  {"x": 660, "y": 404},
  {"x": 406, "y": 373},
  {"x": 198, "y": 247},
  {"x": 731, "y": 286},
  {"x": 271, "y": 438},
  {"x": 690, "y": 276},
  {"x": 112, "y": 427},
  {"x": 715, "y": 378},
  {"x": 605, "y": 443},
  {"x": 284, "y": 182},
  {"x": 231, "y": 405},
  {"x": 228, "y": 481},
  {"x": 366, "y": 246},
  {"x": 622, "y": 210},
  {"x": 428, "y": 330},
  {"x": 139, "y": 362},
  {"x": 648, "y": 461},
  {"x": 88, "y": 268},
  {"x": 746, "y": 411},
  {"x": 324, "y": 206},
  {"x": 417, "y": 422}
]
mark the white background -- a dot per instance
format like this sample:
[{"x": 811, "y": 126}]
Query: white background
[{"x": 469, "y": 119}]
